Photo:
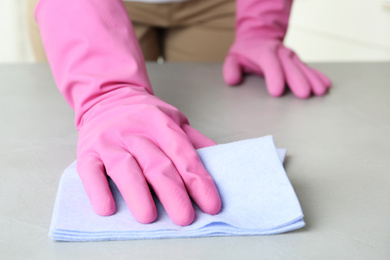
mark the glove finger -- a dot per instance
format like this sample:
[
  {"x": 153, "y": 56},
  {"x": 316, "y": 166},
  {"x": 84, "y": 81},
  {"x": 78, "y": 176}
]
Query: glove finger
[
  {"x": 325, "y": 80},
  {"x": 273, "y": 73},
  {"x": 178, "y": 147},
  {"x": 318, "y": 87},
  {"x": 128, "y": 177},
  {"x": 197, "y": 139},
  {"x": 232, "y": 73},
  {"x": 92, "y": 175},
  {"x": 296, "y": 79},
  {"x": 163, "y": 177}
]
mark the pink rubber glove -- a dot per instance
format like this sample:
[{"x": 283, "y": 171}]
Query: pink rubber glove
[
  {"x": 261, "y": 26},
  {"x": 124, "y": 130}
]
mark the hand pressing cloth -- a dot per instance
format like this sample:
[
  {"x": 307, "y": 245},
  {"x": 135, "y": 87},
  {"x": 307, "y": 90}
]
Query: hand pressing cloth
[{"x": 257, "y": 199}]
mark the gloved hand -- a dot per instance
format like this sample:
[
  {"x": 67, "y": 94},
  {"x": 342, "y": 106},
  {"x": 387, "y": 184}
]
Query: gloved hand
[
  {"x": 124, "y": 130},
  {"x": 261, "y": 26},
  {"x": 141, "y": 140}
]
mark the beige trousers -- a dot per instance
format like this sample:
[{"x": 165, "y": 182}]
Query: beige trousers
[{"x": 194, "y": 30}]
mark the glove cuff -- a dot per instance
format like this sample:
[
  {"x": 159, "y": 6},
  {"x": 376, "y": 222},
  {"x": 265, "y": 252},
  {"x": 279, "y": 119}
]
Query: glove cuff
[
  {"x": 262, "y": 18},
  {"x": 92, "y": 50}
]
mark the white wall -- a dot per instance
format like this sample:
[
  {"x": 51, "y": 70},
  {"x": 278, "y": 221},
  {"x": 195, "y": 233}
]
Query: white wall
[
  {"x": 320, "y": 30},
  {"x": 340, "y": 30},
  {"x": 14, "y": 42}
]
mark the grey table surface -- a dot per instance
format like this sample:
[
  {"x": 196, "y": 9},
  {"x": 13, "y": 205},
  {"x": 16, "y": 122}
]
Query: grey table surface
[{"x": 338, "y": 161}]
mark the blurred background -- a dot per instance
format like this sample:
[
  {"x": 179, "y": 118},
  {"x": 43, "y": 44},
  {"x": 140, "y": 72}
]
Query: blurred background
[{"x": 320, "y": 30}]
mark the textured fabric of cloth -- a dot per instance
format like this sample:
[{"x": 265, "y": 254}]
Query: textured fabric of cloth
[{"x": 257, "y": 199}]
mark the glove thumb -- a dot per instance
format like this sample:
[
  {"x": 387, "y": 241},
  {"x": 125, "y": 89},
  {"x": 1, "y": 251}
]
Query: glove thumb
[
  {"x": 198, "y": 140},
  {"x": 232, "y": 73}
]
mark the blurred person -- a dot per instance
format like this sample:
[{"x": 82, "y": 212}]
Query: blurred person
[{"x": 97, "y": 56}]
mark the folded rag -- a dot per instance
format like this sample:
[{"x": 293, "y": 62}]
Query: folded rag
[{"x": 257, "y": 199}]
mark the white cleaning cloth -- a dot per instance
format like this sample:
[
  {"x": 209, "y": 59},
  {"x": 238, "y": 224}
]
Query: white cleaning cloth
[{"x": 257, "y": 199}]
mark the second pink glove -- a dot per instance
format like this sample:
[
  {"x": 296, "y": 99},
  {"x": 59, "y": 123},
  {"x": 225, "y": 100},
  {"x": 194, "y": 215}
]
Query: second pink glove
[{"x": 258, "y": 48}]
